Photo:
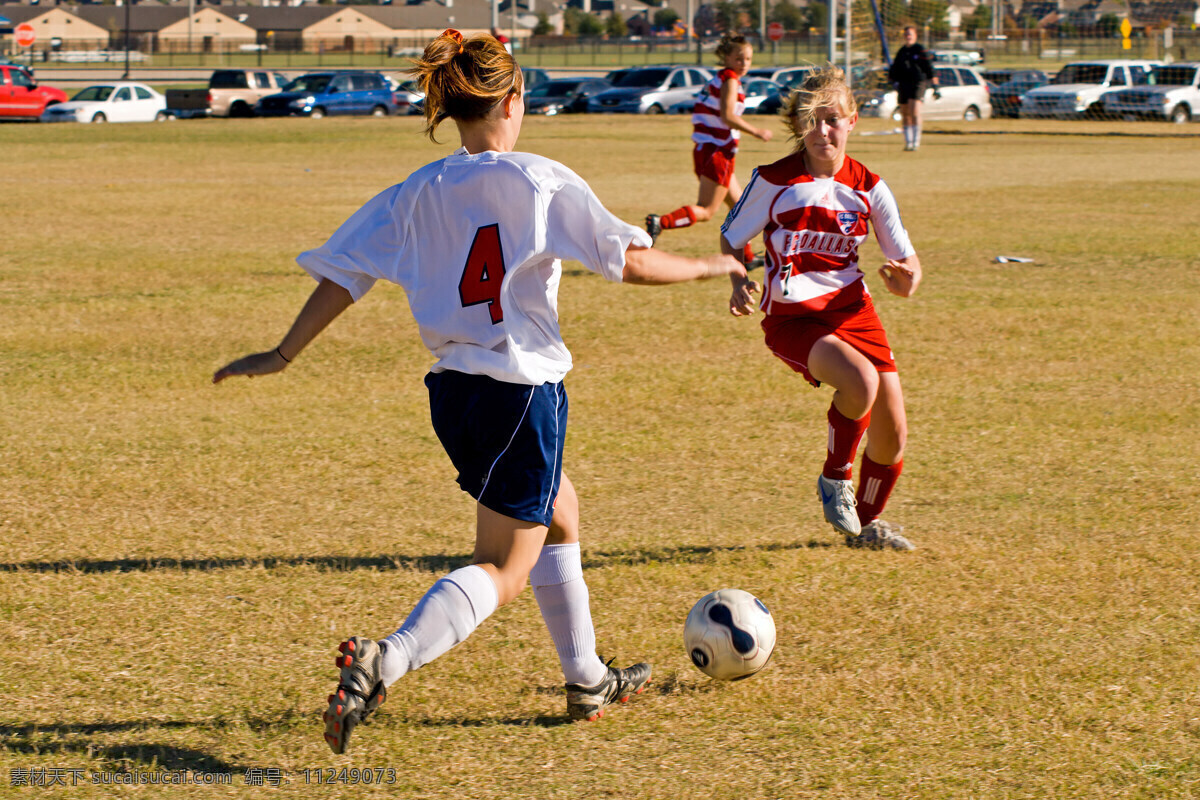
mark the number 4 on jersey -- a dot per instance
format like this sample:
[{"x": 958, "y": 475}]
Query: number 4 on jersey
[{"x": 484, "y": 272}]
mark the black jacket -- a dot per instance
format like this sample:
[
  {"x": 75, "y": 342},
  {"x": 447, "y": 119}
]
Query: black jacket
[{"x": 911, "y": 67}]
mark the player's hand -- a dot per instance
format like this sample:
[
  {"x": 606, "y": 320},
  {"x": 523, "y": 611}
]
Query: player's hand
[
  {"x": 741, "y": 301},
  {"x": 251, "y": 365},
  {"x": 765, "y": 134},
  {"x": 901, "y": 278}
]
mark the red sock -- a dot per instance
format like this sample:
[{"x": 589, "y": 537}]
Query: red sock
[
  {"x": 679, "y": 218},
  {"x": 748, "y": 253},
  {"x": 875, "y": 484},
  {"x": 844, "y": 436}
]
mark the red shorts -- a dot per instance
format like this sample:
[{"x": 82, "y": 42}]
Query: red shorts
[
  {"x": 714, "y": 163},
  {"x": 791, "y": 338}
]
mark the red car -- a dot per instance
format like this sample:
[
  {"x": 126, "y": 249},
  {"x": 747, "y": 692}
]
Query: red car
[{"x": 23, "y": 97}]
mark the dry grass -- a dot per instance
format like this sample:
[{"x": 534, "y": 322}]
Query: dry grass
[{"x": 180, "y": 560}]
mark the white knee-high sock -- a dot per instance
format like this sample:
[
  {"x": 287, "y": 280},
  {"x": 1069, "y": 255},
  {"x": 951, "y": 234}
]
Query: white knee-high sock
[
  {"x": 447, "y": 614},
  {"x": 562, "y": 596}
]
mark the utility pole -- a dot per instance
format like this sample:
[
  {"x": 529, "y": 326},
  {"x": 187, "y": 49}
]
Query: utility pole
[
  {"x": 126, "y": 75},
  {"x": 832, "y": 24},
  {"x": 846, "y": 37}
]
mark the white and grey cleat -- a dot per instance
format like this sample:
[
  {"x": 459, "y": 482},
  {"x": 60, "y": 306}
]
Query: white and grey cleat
[
  {"x": 880, "y": 535},
  {"x": 838, "y": 503}
]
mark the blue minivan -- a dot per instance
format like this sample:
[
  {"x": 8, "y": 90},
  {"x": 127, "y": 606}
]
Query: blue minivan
[{"x": 320, "y": 94}]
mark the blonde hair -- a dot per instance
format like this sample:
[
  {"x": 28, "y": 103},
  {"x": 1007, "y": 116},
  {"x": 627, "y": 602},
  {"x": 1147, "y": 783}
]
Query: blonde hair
[
  {"x": 730, "y": 43},
  {"x": 464, "y": 78},
  {"x": 822, "y": 88}
]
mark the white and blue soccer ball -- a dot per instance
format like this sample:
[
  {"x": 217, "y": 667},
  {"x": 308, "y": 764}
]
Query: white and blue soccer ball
[{"x": 729, "y": 634}]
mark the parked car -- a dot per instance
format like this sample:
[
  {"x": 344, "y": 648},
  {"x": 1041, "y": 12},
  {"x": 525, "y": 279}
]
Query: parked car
[
  {"x": 532, "y": 76},
  {"x": 649, "y": 90},
  {"x": 1173, "y": 93},
  {"x": 407, "y": 94},
  {"x": 563, "y": 95},
  {"x": 787, "y": 77},
  {"x": 320, "y": 94},
  {"x": 757, "y": 91},
  {"x": 967, "y": 58},
  {"x": 110, "y": 102},
  {"x": 8, "y": 62},
  {"x": 187, "y": 104},
  {"x": 961, "y": 93},
  {"x": 22, "y": 97},
  {"x": 235, "y": 92},
  {"x": 1006, "y": 97},
  {"x": 1077, "y": 89},
  {"x": 612, "y": 76}
]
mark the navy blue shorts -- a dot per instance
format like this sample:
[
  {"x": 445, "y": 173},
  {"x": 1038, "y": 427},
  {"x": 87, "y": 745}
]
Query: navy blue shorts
[{"x": 505, "y": 440}]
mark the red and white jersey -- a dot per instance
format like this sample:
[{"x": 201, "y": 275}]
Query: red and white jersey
[
  {"x": 812, "y": 228},
  {"x": 476, "y": 241},
  {"x": 707, "y": 126}
]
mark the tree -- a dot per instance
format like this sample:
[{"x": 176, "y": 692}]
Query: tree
[
  {"x": 816, "y": 15},
  {"x": 791, "y": 17},
  {"x": 931, "y": 13},
  {"x": 1107, "y": 25},
  {"x": 543, "y": 26},
  {"x": 581, "y": 24},
  {"x": 615, "y": 25},
  {"x": 665, "y": 18},
  {"x": 734, "y": 16},
  {"x": 979, "y": 20}
]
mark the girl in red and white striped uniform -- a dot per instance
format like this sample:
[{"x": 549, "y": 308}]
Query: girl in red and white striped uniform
[
  {"x": 717, "y": 124},
  {"x": 813, "y": 208}
]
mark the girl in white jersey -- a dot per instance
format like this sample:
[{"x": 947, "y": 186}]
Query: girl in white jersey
[
  {"x": 717, "y": 124},
  {"x": 813, "y": 208},
  {"x": 476, "y": 240}
]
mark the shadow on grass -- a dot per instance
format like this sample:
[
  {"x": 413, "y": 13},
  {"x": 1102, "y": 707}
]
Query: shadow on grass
[
  {"x": 34, "y": 739},
  {"x": 439, "y": 564}
]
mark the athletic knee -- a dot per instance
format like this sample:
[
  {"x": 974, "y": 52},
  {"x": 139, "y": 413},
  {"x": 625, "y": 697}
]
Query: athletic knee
[
  {"x": 509, "y": 587},
  {"x": 859, "y": 393}
]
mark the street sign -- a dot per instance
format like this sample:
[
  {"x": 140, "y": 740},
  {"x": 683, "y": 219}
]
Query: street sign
[
  {"x": 25, "y": 34},
  {"x": 775, "y": 31}
]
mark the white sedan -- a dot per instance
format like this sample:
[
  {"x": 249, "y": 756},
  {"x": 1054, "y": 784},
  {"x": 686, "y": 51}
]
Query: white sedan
[{"x": 110, "y": 102}]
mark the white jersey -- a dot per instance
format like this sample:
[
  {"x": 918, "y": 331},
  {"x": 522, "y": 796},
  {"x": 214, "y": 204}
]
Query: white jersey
[
  {"x": 812, "y": 229},
  {"x": 476, "y": 243}
]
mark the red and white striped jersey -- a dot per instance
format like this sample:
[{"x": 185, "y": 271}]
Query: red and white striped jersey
[
  {"x": 707, "y": 127},
  {"x": 476, "y": 241},
  {"x": 812, "y": 228}
]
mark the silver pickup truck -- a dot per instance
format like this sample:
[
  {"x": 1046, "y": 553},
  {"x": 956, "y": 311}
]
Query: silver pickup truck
[{"x": 1173, "y": 93}]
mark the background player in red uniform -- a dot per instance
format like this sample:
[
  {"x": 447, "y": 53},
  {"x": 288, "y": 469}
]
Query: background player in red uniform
[
  {"x": 813, "y": 208},
  {"x": 717, "y": 124}
]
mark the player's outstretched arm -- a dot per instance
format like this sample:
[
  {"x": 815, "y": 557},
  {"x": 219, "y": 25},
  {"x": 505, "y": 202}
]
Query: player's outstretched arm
[
  {"x": 729, "y": 115},
  {"x": 651, "y": 267},
  {"x": 323, "y": 306},
  {"x": 902, "y": 277},
  {"x": 741, "y": 301}
]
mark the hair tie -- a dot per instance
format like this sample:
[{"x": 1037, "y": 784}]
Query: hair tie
[{"x": 456, "y": 36}]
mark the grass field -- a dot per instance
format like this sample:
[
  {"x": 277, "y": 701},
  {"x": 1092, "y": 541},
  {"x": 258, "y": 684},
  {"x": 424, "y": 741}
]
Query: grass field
[{"x": 180, "y": 560}]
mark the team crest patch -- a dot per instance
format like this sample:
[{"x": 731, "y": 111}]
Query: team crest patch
[{"x": 847, "y": 220}]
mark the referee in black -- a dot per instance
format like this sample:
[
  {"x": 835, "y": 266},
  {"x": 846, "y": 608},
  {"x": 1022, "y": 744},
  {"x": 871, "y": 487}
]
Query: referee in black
[{"x": 911, "y": 73}]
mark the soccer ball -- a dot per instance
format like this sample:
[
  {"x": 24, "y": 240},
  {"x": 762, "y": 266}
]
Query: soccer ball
[{"x": 729, "y": 634}]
